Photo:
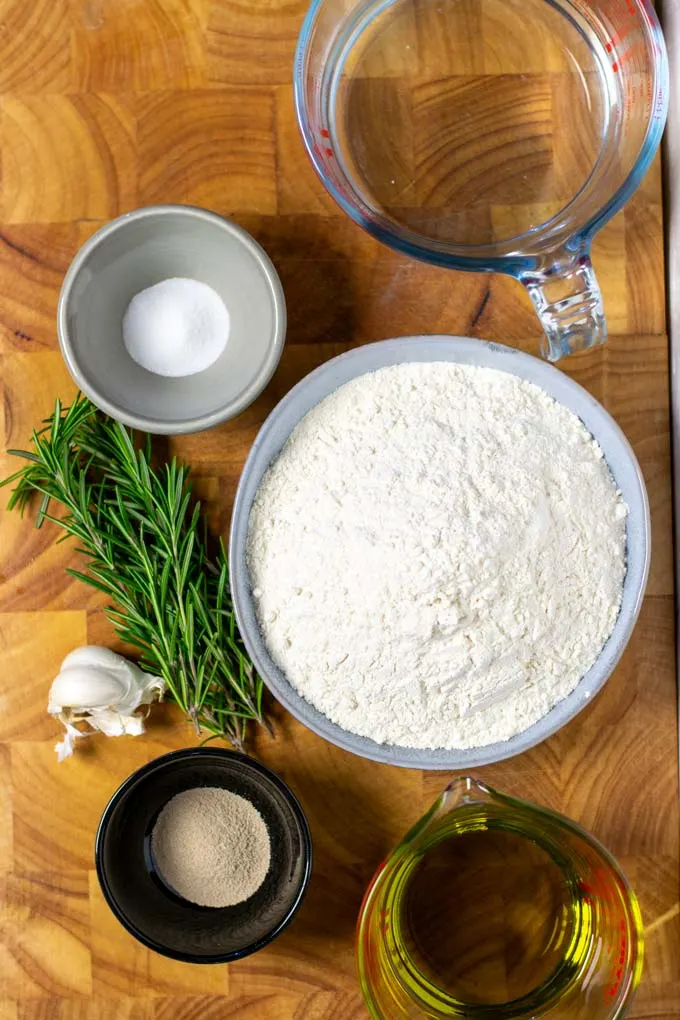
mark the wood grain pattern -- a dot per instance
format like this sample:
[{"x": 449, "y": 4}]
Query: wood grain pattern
[{"x": 110, "y": 104}]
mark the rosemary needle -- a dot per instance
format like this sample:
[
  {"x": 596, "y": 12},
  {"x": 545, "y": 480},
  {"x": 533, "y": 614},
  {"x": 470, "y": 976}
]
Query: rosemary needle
[{"x": 146, "y": 546}]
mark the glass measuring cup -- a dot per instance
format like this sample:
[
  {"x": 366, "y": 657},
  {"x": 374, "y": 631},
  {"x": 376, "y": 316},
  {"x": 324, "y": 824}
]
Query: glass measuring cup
[
  {"x": 493, "y": 907},
  {"x": 487, "y": 135}
]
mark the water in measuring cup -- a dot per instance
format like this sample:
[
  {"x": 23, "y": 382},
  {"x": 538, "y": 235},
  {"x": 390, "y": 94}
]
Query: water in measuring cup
[
  {"x": 489, "y": 916},
  {"x": 470, "y": 121}
]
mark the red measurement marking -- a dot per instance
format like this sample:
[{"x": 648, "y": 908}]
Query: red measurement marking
[
  {"x": 324, "y": 133},
  {"x": 612, "y": 991},
  {"x": 615, "y": 67},
  {"x": 329, "y": 152}
]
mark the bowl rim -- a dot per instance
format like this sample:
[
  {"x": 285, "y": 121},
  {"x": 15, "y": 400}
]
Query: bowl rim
[
  {"x": 180, "y": 425},
  {"x": 185, "y": 755},
  {"x": 465, "y": 350}
]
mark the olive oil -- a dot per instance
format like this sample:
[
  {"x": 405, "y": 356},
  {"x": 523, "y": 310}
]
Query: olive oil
[{"x": 488, "y": 916}]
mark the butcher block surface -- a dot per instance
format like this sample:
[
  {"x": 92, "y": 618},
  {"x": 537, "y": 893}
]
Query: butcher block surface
[{"x": 109, "y": 105}]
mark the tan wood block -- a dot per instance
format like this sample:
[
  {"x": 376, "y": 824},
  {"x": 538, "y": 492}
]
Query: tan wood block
[
  {"x": 31, "y": 382},
  {"x": 138, "y": 47},
  {"x": 650, "y": 188},
  {"x": 33, "y": 260},
  {"x": 108, "y": 104},
  {"x": 251, "y": 43},
  {"x": 589, "y": 369},
  {"x": 510, "y": 48},
  {"x": 32, "y": 565},
  {"x": 458, "y": 164},
  {"x": 207, "y": 1007},
  {"x": 450, "y": 302},
  {"x": 100, "y": 631},
  {"x": 509, "y": 316},
  {"x": 36, "y": 46},
  {"x": 653, "y": 1002},
  {"x": 659, "y": 992},
  {"x": 645, "y": 266},
  {"x": 122, "y": 966},
  {"x": 212, "y": 147},
  {"x": 341, "y": 286},
  {"x": 313, "y": 237},
  {"x": 299, "y": 188},
  {"x": 559, "y": 773},
  {"x": 282, "y": 992},
  {"x": 391, "y": 52},
  {"x": 625, "y": 816},
  {"x": 443, "y": 51},
  {"x": 660, "y": 915},
  {"x": 33, "y": 568},
  {"x": 534, "y": 776},
  {"x": 45, "y": 924},
  {"x": 357, "y": 810},
  {"x": 609, "y": 262},
  {"x": 33, "y": 646},
  {"x": 85, "y": 1009},
  {"x": 70, "y": 796},
  {"x": 385, "y": 168},
  {"x": 576, "y": 139},
  {"x": 643, "y": 414},
  {"x": 6, "y": 820},
  {"x": 510, "y": 220},
  {"x": 66, "y": 158},
  {"x": 280, "y": 998}
]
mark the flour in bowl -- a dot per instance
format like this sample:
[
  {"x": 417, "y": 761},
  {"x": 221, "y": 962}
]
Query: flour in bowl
[{"x": 437, "y": 555}]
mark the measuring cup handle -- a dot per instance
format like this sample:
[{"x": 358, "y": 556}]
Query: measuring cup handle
[{"x": 567, "y": 298}]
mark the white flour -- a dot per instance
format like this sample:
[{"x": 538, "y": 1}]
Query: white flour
[{"x": 437, "y": 555}]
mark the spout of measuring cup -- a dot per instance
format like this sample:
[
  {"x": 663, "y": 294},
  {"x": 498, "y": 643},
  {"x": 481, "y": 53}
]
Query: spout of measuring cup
[
  {"x": 567, "y": 298},
  {"x": 462, "y": 792}
]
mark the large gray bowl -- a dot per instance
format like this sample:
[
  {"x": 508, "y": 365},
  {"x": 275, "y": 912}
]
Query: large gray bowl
[{"x": 324, "y": 380}]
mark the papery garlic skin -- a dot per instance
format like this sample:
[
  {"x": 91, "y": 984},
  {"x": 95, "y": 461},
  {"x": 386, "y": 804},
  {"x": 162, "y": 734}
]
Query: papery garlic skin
[{"x": 105, "y": 691}]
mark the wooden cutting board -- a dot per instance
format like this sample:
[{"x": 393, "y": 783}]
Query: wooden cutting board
[{"x": 111, "y": 104}]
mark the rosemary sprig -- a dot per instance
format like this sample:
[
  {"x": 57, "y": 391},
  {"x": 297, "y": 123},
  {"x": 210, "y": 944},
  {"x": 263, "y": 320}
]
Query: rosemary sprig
[{"x": 147, "y": 550}]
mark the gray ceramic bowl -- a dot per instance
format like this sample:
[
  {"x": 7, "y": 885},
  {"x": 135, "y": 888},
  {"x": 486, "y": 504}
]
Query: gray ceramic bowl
[
  {"x": 141, "y": 249},
  {"x": 335, "y": 373}
]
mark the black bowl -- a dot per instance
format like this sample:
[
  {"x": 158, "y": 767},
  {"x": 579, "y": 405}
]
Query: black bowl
[{"x": 156, "y": 915}]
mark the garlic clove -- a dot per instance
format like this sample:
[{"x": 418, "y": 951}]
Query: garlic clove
[
  {"x": 100, "y": 689},
  {"x": 84, "y": 687},
  {"x": 113, "y": 724},
  {"x": 65, "y": 747},
  {"x": 108, "y": 721},
  {"x": 95, "y": 655}
]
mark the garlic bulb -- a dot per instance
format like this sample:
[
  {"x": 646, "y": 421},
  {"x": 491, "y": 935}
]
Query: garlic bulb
[{"x": 97, "y": 687}]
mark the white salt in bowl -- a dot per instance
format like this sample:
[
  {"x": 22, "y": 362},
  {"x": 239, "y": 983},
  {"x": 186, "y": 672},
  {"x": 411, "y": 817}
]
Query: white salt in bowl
[
  {"x": 135, "y": 252},
  {"x": 462, "y": 350}
]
